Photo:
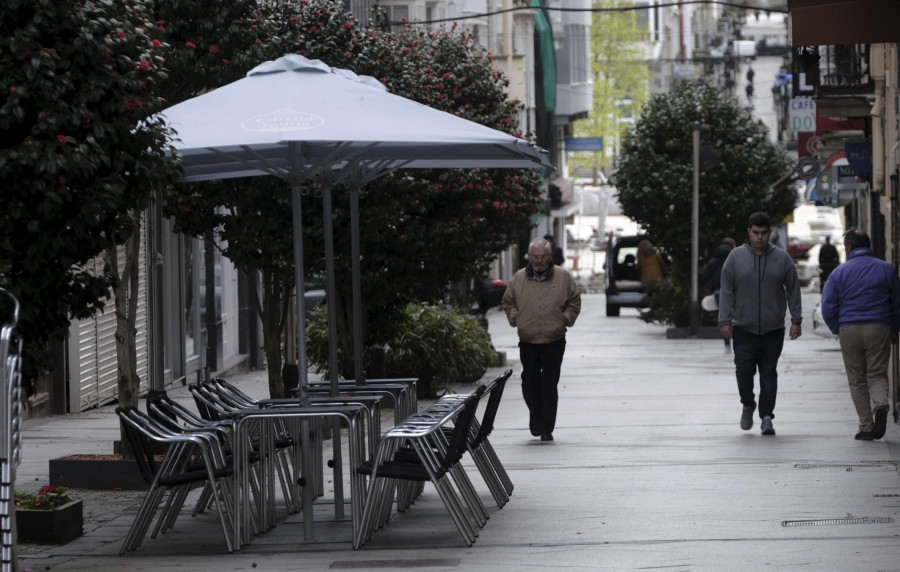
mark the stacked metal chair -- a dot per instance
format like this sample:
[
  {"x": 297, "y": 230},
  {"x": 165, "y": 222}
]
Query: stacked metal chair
[
  {"x": 10, "y": 430},
  {"x": 215, "y": 405},
  {"x": 437, "y": 459},
  {"x": 193, "y": 458},
  {"x": 483, "y": 453},
  {"x": 176, "y": 417}
]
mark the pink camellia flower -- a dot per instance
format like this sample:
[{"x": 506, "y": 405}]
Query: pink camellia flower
[
  {"x": 62, "y": 139},
  {"x": 226, "y": 61},
  {"x": 313, "y": 28},
  {"x": 347, "y": 25},
  {"x": 144, "y": 65},
  {"x": 447, "y": 75},
  {"x": 120, "y": 33},
  {"x": 42, "y": 115},
  {"x": 191, "y": 45},
  {"x": 496, "y": 204},
  {"x": 213, "y": 49},
  {"x": 13, "y": 89},
  {"x": 156, "y": 43}
]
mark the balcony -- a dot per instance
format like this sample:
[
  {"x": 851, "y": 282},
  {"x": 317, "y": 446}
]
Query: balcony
[
  {"x": 844, "y": 70},
  {"x": 841, "y": 77}
]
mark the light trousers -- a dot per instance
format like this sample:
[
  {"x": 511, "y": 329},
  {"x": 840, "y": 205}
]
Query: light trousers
[{"x": 867, "y": 352}]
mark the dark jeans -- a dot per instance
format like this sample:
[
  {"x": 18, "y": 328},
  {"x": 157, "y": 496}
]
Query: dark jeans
[
  {"x": 540, "y": 376},
  {"x": 752, "y": 352}
]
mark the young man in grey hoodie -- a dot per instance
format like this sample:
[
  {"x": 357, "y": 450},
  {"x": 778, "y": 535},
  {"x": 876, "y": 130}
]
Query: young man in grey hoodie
[{"x": 759, "y": 282}]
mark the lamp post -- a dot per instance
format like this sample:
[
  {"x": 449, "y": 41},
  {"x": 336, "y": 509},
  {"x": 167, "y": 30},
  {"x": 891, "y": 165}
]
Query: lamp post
[{"x": 695, "y": 234}]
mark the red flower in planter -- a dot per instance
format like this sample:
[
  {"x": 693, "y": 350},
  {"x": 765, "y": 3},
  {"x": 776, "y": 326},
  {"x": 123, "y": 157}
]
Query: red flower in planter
[{"x": 47, "y": 498}]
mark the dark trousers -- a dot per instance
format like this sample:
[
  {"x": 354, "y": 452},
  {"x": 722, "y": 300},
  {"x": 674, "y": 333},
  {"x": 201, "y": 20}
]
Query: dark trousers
[
  {"x": 540, "y": 375},
  {"x": 752, "y": 352}
]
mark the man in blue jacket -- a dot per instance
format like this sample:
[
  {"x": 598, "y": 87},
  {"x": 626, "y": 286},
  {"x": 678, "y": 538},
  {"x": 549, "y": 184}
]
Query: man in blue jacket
[
  {"x": 759, "y": 283},
  {"x": 861, "y": 303}
]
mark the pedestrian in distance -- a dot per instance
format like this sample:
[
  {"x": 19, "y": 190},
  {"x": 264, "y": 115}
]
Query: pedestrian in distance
[
  {"x": 558, "y": 257},
  {"x": 750, "y": 74},
  {"x": 759, "y": 282},
  {"x": 861, "y": 304},
  {"x": 649, "y": 263},
  {"x": 711, "y": 274},
  {"x": 749, "y": 91},
  {"x": 541, "y": 301},
  {"x": 828, "y": 261}
]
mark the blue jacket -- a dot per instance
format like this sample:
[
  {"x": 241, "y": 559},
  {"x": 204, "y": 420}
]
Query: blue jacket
[{"x": 863, "y": 290}]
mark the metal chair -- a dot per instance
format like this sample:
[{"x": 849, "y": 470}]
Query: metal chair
[
  {"x": 436, "y": 458},
  {"x": 193, "y": 458},
  {"x": 483, "y": 453}
]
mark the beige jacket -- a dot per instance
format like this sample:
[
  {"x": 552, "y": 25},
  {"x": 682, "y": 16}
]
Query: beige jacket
[{"x": 541, "y": 311}]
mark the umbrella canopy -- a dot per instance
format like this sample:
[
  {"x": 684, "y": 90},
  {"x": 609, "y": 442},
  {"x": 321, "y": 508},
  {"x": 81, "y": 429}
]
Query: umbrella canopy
[
  {"x": 299, "y": 119},
  {"x": 244, "y": 128}
]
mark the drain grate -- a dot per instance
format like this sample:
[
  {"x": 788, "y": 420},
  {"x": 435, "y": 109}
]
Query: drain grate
[
  {"x": 890, "y": 496},
  {"x": 845, "y": 466},
  {"x": 412, "y": 563},
  {"x": 839, "y": 521}
]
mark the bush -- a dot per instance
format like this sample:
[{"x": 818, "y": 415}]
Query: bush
[
  {"x": 668, "y": 303},
  {"x": 440, "y": 346}
]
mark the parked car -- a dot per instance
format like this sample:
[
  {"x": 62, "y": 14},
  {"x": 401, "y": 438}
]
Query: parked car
[
  {"x": 623, "y": 283},
  {"x": 820, "y": 328}
]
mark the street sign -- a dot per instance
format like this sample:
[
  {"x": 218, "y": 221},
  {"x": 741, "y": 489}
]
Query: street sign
[
  {"x": 584, "y": 144},
  {"x": 783, "y": 78},
  {"x": 802, "y": 114}
]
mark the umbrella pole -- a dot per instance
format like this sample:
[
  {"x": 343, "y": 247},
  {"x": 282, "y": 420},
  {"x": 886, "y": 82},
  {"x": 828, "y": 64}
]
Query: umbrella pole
[
  {"x": 332, "y": 303},
  {"x": 357, "y": 287},
  {"x": 306, "y": 481}
]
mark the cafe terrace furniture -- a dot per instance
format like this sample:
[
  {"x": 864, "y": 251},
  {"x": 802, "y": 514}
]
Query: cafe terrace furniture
[
  {"x": 193, "y": 458},
  {"x": 263, "y": 421},
  {"x": 437, "y": 460}
]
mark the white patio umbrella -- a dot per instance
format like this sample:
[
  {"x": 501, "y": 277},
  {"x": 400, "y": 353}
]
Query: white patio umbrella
[{"x": 300, "y": 119}]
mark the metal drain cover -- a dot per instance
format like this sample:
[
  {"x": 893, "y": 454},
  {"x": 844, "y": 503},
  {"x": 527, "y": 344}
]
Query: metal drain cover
[
  {"x": 412, "y": 563},
  {"x": 839, "y": 521}
]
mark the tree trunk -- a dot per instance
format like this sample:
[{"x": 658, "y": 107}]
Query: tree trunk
[{"x": 125, "y": 292}]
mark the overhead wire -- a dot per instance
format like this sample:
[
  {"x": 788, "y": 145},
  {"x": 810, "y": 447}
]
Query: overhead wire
[{"x": 629, "y": 8}]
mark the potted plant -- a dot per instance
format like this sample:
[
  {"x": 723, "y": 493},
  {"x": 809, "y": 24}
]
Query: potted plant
[{"x": 50, "y": 515}]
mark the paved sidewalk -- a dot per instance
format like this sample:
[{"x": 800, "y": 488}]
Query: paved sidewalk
[{"x": 649, "y": 470}]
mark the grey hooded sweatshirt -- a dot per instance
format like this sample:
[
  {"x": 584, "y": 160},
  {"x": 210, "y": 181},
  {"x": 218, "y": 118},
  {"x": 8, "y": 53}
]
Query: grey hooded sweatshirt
[{"x": 757, "y": 289}]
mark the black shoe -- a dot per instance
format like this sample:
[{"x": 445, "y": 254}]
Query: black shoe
[
  {"x": 864, "y": 436},
  {"x": 534, "y": 424},
  {"x": 547, "y": 437},
  {"x": 880, "y": 422}
]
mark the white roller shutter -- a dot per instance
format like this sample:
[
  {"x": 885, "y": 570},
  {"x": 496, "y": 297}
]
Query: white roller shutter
[{"x": 92, "y": 345}]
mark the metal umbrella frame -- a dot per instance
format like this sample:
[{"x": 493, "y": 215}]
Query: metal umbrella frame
[{"x": 298, "y": 120}]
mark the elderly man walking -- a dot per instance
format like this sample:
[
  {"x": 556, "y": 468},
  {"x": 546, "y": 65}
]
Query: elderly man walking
[
  {"x": 541, "y": 302},
  {"x": 861, "y": 303}
]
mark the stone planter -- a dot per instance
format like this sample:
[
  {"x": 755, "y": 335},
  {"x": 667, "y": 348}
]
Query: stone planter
[
  {"x": 96, "y": 472},
  {"x": 56, "y": 526}
]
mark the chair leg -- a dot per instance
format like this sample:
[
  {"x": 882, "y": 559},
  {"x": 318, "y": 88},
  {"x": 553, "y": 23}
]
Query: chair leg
[
  {"x": 498, "y": 466},
  {"x": 490, "y": 477}
]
